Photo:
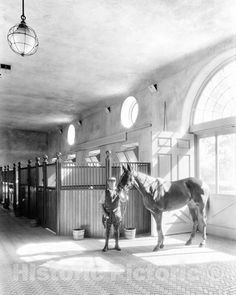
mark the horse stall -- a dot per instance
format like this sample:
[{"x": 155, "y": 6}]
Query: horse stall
[
  {"x": 64, "y": 196},
  {"x": 82, "y": 188},
  {"x": 8, "y": 187}
]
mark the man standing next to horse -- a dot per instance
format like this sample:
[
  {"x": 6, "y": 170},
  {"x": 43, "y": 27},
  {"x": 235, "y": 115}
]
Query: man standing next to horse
[{"x": 112, "y": 210}]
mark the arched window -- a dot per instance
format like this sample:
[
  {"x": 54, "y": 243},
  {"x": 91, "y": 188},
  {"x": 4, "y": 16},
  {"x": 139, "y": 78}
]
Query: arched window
[
  {"x": 214, "y": 119},
  {"x": 218, "y": 97}
]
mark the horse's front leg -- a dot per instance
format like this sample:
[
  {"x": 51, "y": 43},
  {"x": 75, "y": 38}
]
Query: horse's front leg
[
  {"x": 117, "y": 234},
  {"x": 160, "y": 240}
]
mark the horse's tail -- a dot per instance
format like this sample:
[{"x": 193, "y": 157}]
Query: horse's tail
[
  {"x": 199, "y": 190},
  {"x": 198, "y": 187},
  {"x": 195, "y": 187},
  {"x": 206, "y": 199}
]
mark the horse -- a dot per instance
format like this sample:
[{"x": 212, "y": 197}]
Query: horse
[{"x": 160, "y": 196}]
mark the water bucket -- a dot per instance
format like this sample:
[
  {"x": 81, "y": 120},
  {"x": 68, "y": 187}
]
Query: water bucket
[
  {"x": 130, "y": 233},
  {"x": 78, "y": 234},
  {"x": 33, "y": 222}
]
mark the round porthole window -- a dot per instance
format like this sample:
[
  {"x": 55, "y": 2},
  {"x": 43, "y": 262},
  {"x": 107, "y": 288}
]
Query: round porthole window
[
  {"x": 129, "y": 112},
  {"x": 71, "y": 134}
]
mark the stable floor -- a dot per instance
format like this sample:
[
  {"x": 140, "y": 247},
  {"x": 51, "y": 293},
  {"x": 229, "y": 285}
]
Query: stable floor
[{"x": 35, "y": 261}]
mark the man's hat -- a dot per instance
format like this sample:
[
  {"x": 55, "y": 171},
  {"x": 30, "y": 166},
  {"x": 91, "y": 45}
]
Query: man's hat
[{"x": 111, "y": 179}]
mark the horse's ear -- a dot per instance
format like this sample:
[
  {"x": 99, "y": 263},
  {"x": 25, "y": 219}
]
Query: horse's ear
[
  {"x": 128, "y": 166},
  {"x": 124, "y": 168}
]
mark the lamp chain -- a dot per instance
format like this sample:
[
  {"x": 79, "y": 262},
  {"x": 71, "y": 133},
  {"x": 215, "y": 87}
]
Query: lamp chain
[{"x": 23, "y": 11}]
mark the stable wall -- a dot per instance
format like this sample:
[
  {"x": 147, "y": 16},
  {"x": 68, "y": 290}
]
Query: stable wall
[
  {"x": 101, "y": 130},
  {"x": 18, "y": 145},
  {"x": 104, "y": 131}
]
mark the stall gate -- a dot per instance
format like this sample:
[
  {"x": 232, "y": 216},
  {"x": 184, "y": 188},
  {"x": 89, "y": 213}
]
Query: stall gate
[{"x": 8, "y": 187}]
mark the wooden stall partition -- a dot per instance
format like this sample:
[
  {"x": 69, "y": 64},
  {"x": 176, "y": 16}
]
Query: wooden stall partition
[
  {"x": 83, "y": 177},
  {"x": 81, "y": 190},
  {"x": 1, "y": 185},
  {"x": 7, "y": 195},
  {"x": 14, "y": 188},
  {"x": 49, "y": 204},
  {"x": 40, "y": 193},
  {"x": 5, "y": 189},
  {"x": 43, "y": 186},
  {"x": 32, "y": 189},
  {"x": 24, "y": 190},
  {"x": 8, "y": 187},
  {"x": 40, "y": 205},
  {"x": 81, "y": 196},
  {"x": 20, "y": 204},
  {"x": 81, "y": 209},
  {"x": 58, "y": 192},
  {"x": 136, "y": 215}
]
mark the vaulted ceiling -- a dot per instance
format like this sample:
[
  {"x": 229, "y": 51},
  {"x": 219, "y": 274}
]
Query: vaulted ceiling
[{"x": 92, "y": 53}]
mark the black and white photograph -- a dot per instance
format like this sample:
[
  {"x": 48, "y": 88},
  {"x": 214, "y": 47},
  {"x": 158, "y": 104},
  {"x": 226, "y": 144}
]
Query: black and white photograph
[{"x": 117, "y": 147}]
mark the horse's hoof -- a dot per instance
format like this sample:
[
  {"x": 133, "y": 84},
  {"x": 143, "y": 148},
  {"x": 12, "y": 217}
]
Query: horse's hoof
[
  {"x": 161, "y": 246},
  {"x": 202, "y": 245},
  {"x": 105, "y": 249},
  {"x": 117, "y": 248},
  {"x": 157, "y": 248},
  {"x": 188, "y": 243}
]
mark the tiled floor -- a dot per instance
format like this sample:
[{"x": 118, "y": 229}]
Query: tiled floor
[{"x": 34, "y": 261}]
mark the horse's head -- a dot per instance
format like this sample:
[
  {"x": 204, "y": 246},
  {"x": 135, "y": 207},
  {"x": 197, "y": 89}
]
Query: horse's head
[{"x": 126, "y": 180}]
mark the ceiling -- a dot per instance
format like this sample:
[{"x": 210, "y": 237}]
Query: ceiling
[{"x": 92, "y": 53}]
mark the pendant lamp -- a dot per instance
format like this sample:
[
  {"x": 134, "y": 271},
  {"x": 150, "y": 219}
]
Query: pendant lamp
[{"x": 22, "y": 39}]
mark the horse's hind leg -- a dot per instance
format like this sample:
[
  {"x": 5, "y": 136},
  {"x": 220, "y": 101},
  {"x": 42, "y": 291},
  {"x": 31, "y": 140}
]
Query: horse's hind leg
[
  {"x": 158, "y": 218},
  {"x": 203, "y": 221},
  {"x": 193, "y": 212}
]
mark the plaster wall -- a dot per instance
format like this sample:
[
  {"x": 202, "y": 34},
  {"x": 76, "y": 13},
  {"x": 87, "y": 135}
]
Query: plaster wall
[
  {"x": 101, "y": 130},
  {"x": 104, "y": 131},
  {"x": 18, "y": 145}
]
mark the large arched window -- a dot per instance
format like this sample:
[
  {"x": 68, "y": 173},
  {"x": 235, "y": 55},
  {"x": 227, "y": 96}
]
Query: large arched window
[
  {"x": 214, "y": 119},
  {"x": 218, "y": 97}
]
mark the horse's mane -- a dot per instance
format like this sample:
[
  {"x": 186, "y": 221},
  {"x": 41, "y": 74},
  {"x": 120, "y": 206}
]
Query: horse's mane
[{"x": 156, "y": 187}]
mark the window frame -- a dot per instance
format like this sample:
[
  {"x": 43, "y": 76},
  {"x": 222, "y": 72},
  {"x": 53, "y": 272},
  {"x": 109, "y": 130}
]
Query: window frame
[
  {"x": 212, "y": 128},
  {"x": 215, "y": 134}
]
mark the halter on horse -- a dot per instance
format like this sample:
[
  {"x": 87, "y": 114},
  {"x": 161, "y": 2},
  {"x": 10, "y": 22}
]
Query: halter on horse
[{"x": 160, "y": 196}]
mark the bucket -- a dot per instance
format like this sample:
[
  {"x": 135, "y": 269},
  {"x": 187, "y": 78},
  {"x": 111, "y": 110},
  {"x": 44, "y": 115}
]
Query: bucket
[
  {"x": 33, "y": 222},
  {"x": 78, "y": 234},
  {"x": 130, "y": 233}
]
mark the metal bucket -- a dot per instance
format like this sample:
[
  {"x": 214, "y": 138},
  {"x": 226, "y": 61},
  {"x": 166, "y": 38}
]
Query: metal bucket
[
  {"x": 78, "y": 234},
  {"x": 130, "y": 233}
]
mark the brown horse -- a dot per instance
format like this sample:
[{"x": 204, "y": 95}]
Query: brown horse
[{"x": 160, "y": 196}]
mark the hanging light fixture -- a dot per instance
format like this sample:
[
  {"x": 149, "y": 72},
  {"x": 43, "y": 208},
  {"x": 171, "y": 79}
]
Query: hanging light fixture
[{"x": 21, "y": 38}]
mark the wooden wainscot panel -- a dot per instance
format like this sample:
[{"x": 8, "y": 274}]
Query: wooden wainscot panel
[{"x": 82, "y": 209}]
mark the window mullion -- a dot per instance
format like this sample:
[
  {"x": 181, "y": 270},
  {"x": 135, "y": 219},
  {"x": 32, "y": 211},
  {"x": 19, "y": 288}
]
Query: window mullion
[{"x": 217, "y": 163}]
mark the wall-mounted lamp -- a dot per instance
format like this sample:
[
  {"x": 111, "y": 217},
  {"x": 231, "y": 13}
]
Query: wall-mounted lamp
[
  {"x": 153, "y": 88},
  {"x": 108, "y": 110},
  {"x": 79, "y": 123}
]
